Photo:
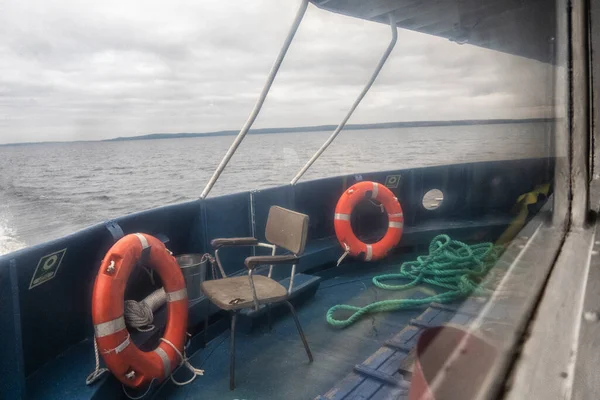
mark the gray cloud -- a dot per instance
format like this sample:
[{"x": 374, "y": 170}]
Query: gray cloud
[{"x": 90, "y": 70}]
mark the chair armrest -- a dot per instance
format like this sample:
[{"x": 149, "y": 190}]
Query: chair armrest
[
  {"x": 242, "y": 241},
  {"x": 252, "y": 262}
]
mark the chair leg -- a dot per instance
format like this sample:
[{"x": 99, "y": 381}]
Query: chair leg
[
  {"x": 205, "y": 333},
  {"x": 232, "y": 353},
  {"x": 293, "y": 311},
  {"x": 269, "y": 318}
]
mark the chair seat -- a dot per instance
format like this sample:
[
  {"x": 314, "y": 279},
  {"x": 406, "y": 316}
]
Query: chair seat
[{"x": 235, "y": 293}]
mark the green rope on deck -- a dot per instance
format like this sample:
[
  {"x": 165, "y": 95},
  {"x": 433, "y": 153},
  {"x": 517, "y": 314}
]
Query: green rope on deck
[{"x": 459, "y": 268}]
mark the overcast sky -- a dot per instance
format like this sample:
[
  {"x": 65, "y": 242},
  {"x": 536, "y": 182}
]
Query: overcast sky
[{"x": 80, "y": 70}]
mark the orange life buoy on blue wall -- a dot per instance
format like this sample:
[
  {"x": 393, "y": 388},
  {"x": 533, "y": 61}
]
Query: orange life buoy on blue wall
[
  {"x": 130, "y": 365},
  {"x": 343, "y": 229}
]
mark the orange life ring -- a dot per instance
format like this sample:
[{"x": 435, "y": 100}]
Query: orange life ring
[
  {"x": 343, "y": 211},
  {"x": 130, "y": 365}
]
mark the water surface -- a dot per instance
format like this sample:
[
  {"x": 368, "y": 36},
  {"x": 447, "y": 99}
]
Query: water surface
[{"x": 50, "y": 190}]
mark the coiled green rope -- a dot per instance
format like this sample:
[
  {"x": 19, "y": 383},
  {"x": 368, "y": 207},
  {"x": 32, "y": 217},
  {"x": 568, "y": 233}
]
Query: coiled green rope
[{"x": 459, "y": 268}]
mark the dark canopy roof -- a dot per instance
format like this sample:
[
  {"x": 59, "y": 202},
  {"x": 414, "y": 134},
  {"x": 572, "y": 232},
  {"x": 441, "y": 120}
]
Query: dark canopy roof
[{"x": 521, "y": 27}]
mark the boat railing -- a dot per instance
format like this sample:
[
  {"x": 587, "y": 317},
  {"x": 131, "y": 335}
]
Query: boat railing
[
  {"x": 362, "y": 94},
  {"x": 265, "y": 91},
  {"x": 259, "y": 103}
]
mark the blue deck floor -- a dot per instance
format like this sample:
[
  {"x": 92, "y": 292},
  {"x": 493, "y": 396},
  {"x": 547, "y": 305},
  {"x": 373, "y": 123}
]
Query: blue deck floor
[{"x": 273, "y": 365}]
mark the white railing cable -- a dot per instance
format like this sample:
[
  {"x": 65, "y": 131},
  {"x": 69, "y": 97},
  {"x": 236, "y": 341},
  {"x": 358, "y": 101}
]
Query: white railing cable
[
  {"x": 259, "y": 102},
  {"x": 356, "y": 102}
]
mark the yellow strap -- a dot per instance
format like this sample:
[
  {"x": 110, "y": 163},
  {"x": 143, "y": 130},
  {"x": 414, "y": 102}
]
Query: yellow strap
[{"x": 523, "y": 201}]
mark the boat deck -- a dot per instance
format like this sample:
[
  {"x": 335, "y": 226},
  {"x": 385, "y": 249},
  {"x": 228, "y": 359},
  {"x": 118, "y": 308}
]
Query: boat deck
[
  {"x": 273, "y": 365},
  {"x": 367, "y": 360}
]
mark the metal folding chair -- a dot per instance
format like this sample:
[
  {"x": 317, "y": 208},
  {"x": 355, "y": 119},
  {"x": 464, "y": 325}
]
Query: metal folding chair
[{"x": 285, "y": 228}]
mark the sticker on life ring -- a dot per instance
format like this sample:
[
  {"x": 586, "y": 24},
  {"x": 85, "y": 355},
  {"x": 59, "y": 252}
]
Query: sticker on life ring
[
  {"x": 47, "y": 268},
  {"x": 392, "y": 181}
]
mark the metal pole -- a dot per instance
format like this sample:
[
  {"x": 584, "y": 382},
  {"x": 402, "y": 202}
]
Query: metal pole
[
  {"x": 356, "y": 102},
  {"x": 232, "y": 351},
  {"x": 259, "y": 102}
]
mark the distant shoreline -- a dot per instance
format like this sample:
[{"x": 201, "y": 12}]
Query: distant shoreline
[{"x": 318, "y": 128}]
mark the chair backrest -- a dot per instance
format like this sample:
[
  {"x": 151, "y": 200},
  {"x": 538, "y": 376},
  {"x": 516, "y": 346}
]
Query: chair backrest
[{"x": 287, "y": 229}]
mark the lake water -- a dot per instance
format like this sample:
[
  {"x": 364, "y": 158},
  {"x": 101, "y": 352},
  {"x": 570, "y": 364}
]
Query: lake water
[{"x": 50, "y": 190}]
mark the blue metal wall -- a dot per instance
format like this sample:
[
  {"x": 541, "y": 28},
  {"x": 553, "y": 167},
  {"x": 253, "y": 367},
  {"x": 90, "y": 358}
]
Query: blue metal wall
[
  {"x": 56, "y": 314},
  {"x": 12, "y": 383}
]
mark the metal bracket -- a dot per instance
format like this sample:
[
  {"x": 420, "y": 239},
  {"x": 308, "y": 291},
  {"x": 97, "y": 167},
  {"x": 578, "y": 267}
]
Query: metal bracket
[{"x": 115, "y": 230}]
